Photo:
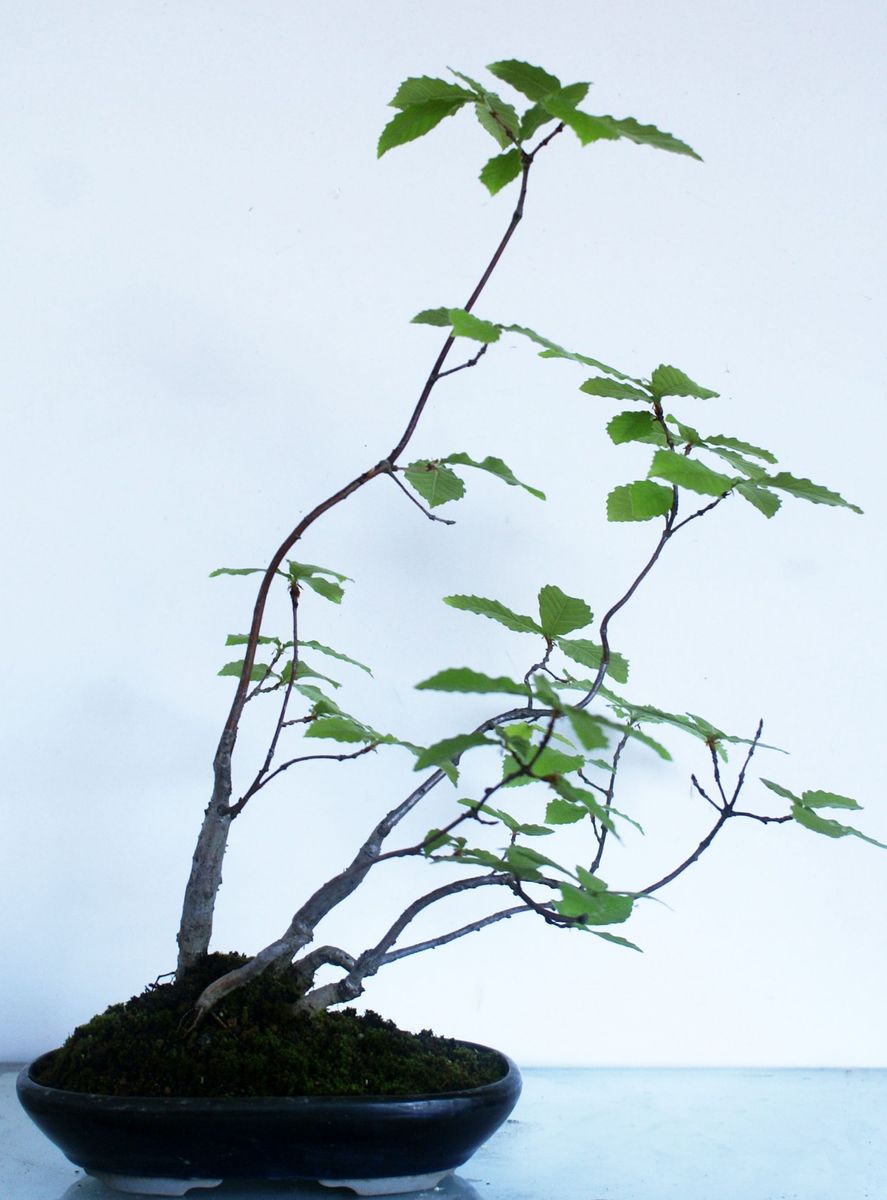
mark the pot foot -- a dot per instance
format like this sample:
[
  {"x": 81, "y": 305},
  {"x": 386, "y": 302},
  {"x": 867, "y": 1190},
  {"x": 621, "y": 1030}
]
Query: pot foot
[
  {"x": 394, "y": 1185},
  {"x": 152, "y": 1185}
]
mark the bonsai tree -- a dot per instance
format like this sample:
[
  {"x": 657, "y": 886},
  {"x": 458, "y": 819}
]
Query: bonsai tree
[{"x": 559, "y": 731}]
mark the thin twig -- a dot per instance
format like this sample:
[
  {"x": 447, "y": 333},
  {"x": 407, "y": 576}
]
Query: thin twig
[
  {"x": 472, "y": 362},
  {"x": 421, "y": 507}
]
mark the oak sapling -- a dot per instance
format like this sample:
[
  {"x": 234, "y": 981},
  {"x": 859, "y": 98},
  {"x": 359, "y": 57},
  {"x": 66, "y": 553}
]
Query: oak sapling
[{"x": 559, "y": 731}]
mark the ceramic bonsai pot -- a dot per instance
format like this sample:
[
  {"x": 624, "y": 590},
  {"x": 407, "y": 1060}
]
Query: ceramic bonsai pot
[{"x": 375, "y": 1145}]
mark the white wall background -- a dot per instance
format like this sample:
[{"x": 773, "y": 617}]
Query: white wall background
[{"x": 207, "y": 284}]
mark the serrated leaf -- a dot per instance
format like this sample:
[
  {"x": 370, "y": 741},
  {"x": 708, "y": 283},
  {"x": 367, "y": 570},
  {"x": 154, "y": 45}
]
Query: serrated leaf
[
  {"x": 328, "y": 588},
  {"x": 546, "y": 764},
  {"x": 494, "y": 466},
  {"x": 241, "y": 639},
  {"x": 614, "y": 389},
  {"x": 638, "y": 501},
  {"x": 322, "y": 705},
  {"x": 449, "y": 749},
  {"x": 559, "y": 613},
  {"x": 586, "y": 127},
  {"x": 432, "y": 316},
  {"x": 340, "y": 729},
  {"x": 590, "y": 882},
  {"x": 500, "y": 171},
  {"x": 303, "y": 671},
  {"x": 649, "y": 135},
  {"x": 597, "y": 908},
  {"x": 733, "y": 443},
  {"x": 328, "y": 650},
  {"x": 636, "y": 427},
  {"x": 781, "y": 791},
  {"x": 421, "y": 89},
  {"x": 258, "y": 672},
  {"x": 434, "y": 483},
  {"x": 616, "y": 940},
  {"x": 588, "y": 800},
  {"x": 464, "y": 679},
  {"x": 414, "y": 122},
  {"x": 495, "y": 122},
  {"x": 236, "y": 571},
  {"x": 765, "y": 502},
  {"x": 553, "y": 350},
  {"x": 588, "y": 729},
  {"x": 545, "y": 692},
  {"x": 818, "y": 799},
  {"x": 495, "y": 611},
  {"x": 690, "y": 473},
  {"x": 525, "y": 859},
  {"x": 669, "y": 381},
  {"x": 589, "y": 655},
  {"x": 467, "y": 325},
  {"x": 298, "y": 571},
  {"x": 805, "y": 489},
  {"x": 562, "y": 812},
  {"x": 753, "y": 470},
  {"x": 829, "y": 828},
  {"x": 532, "y": 82}
]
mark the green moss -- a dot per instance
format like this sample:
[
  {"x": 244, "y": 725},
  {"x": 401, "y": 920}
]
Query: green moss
[{"x": 252, "y": 1044}]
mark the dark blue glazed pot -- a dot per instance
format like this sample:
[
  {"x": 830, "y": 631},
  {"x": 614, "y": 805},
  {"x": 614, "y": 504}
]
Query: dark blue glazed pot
[{"x": 376, "y": 1145}]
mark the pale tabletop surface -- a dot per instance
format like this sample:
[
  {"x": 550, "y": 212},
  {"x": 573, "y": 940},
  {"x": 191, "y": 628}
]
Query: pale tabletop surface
[{"x": 600, "y": 1134}]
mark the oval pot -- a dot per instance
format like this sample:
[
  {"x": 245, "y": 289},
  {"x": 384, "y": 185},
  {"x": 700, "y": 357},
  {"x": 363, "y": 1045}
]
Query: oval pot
[{"x": 376, "y": 1145}]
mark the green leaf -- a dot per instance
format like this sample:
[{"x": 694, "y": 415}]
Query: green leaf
[
  {"x": 690, "y": 473},
  {"x": 615, "y": 390},
  {"x": 753, "y": 470},
  {"x": 467, "y": 325},
  {"x": 414, "y": 122},
  {"x": 241, "y": 639},
  {"x": 589, "y": 655},
  {"x": 781, "y": 791},
  {"x": 524, "y": 858},
  {"x": 534, "y": 118},
  {"x": 259, "y": 671},
  {"x": 423, "y": 88},
  {"x": 636, "y": 427},
  {"x": 616, "y": 940},
  {"x": 588, "y": 729},
  {"x": 449, "y": 749},
  {"x": 545, "y": 765},
  {"x": 303, "y": 671},
  {"x": 464, "y": 679},
  {"x": 560, "y": 613},
  {"x": 499, "y": 120},
  {"x": 669, "y": 381},
  {"x": 649, "y": 135},
  {"x": 589, "y": 801},
  {"x": 298, "y": 571},
  {"x": 563, "y": 812},
  {"x": 804, "y": 489},
  {"x": 495, "y": 466},
  {"x": 500, "y": 171},
  {"x": 824, "y": 825},
  {"x": 733, "y": 443},
  {"x": 591, "y": 883},
  {"x": 335, "y": 654},
  {"x": 341, "y": 729},
  {"x": 434, "y": 483},
  {"x": 586, "y": 127},
  {"x": 553, "y": 350},
  {"x": 237, "y": 571},
  {"x": 764, "y": 501},
  {"x": 328, "y": 588},
  {"x": 321, "y": 704},
  {"x": 597, "y": 908},
  {"x": 432, "y": 316},
  {"x": 495, "y": 611},
  {"x": 638, "y": 501},
  {"x": 532, "y": 82},
  {"x": 817, "y": 799}
]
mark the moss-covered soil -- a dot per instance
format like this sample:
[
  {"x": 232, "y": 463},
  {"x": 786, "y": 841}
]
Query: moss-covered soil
[{"x": 253, "y": 1044}]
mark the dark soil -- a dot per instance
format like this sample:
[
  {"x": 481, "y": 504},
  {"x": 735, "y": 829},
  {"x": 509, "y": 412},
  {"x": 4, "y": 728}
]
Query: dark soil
[{"x": 252, "y": 1044}]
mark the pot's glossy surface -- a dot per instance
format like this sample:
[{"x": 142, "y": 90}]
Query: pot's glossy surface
[{"x": 368, "y": 1143}]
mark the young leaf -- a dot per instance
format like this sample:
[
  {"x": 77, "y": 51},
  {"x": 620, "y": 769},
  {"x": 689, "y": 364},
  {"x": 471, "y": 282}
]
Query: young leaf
[
  {"x": 321, "y": 704},
  {"x": 614, "y": 390},
  {"x": 449, "y": 749},
  {"x": 589, "y": 655},
  {"x": 303, "y": 671},
  {"x": 532, "y": 82},
  {"x": 669, "y": 381},
  {"x": 732, "y": 443},
  {"x": 553, "y": 350},
  {"x": 434, "y": 483},
  {"x": 560, "y": 614},
  {"x": 259, "y": 671},
  {"x": 765, "y": 502},
  {"x": 335, "y": 654},
  {"x": 753, "y": 470},
  {"x": 499, "y": 120},
  {"x": 597, "y": 908},
  {"x": 241, "y": 639},
  {"x": 420, "y": 90},
  {"x": 236, "y": 571},
  {"x": 545, "y": 765},
  {"x": 495, "y": 611},
  {"x": 328, "y": 588},
  {"x": 495, "y": 466},
  {"x": 817, "y": 799},
  {"x": 638, "y": 501},
  {"x": 804, "y": 489},
  {"x": 690, "y": 473},
  {"x": 586, "y": 127},
  {"x": 824, "y": 825},
  {"x": 636, "y": 426},
  {"x": 588, "y": 729},
  {"x": 467, "y": 325},
  {"x": 781, "y": 791},
  {"x": 298, "y": 571},
  {"x": 432, "y": 316},
  {"x": 649, "y": 135},
  {"x": 534, "y": 118},
  {"x": 500, "y": 171},
  {"x": 464, "y": 679},
  {"x": 341, "y": 729},
  {"x": 562, "y": 812},
  {"x": 414, "y": 122}
]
